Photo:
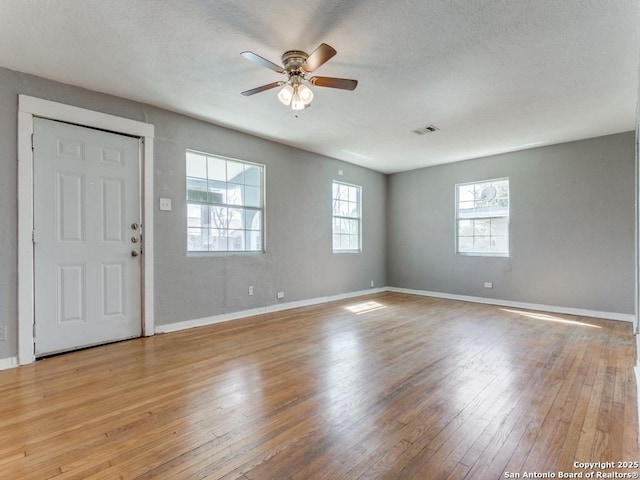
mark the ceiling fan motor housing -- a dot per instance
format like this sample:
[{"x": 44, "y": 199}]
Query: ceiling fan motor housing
[{"x": 293, "y": 61}]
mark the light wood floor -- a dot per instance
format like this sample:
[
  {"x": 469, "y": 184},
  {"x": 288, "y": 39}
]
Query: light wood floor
[{"x": 409, "y": 388}]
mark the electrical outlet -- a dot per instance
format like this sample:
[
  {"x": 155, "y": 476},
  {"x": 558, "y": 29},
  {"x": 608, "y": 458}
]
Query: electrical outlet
[
  {"x": 250, "y": 289},
  {"x": 280, "y": 295},
  {"x": 488, "y": 285},
  {"x": 372, "y": 284},
  {"x": 3, "y": 332}
]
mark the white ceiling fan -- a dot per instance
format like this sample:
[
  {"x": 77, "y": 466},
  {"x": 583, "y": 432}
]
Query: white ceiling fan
[{"x": 297, "y": 65}]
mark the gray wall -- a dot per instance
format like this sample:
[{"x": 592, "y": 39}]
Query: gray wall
[
  {"x": 571, "y": 227},
  {"x": 572, "y": 221},
  {"x": 298, "y": 259}
]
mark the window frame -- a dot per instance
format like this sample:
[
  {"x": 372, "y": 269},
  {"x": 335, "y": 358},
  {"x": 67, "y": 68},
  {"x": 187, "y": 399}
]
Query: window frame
[
  {"x": 457, "y": 219},
  {"x": 358, "y": 218},
  {"x": 262, "y": 208}
]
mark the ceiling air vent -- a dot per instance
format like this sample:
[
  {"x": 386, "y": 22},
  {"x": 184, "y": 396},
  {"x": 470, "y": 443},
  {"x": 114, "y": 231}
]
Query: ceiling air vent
[{"x": 428, "y": 129}]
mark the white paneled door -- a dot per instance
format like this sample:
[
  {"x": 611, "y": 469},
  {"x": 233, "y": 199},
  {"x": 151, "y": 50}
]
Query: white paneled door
[{"x": 87, "y": 237}]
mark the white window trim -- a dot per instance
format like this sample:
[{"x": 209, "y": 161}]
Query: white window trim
[
  {"x": 28, "y": 108},
  {"x": 360, "y": 189},
  {"x": 263, "y": 209},
  {"x": 457, "y": 236}
]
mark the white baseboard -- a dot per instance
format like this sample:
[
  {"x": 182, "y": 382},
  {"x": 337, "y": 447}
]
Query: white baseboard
[
  {"x": 624, "y": 317},
  {"x": 199, "y": 322},
  {"x": 10, "y": 362}
]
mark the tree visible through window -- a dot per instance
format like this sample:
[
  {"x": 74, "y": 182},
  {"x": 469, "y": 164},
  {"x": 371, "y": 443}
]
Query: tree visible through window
[
  {"x": 346, "y": 217},
  {"x": 482, "y": 218},
  {"x": 224, "y": 203}
]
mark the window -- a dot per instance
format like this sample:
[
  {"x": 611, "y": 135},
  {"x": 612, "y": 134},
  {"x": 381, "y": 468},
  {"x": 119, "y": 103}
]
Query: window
[
  {"x": 482, "y": 218},
  {"x": 346, "y": 217},
  {"x": 225, "y": 204}
]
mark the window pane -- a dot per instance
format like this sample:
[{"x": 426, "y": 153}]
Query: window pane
[
  {"x": 252, "y": 197},
  {"x": 197, "y": 215},
  {"x": 500, "y": 226},
  {"x": 336, "y": 241},
  {"x": 217, "y": 192},
  {"x": 236, "y": 218},
  {"x": 353, "y": 242},
  {"x": 252, "y": 175},
  {"x": 217, "y": 169},
  {"x": 353, "y": 194},
  {"x": 344, "y": 242},
  {"x": 235, "y": 194},
  {"x": 500, "y": 244},
  {"x": 354, "y": 211},
  {"x": 196, "y": 190},
  {"x": 218, "y": 239},
  {"x": 253, "y": 240},
  {"x": 465, "y": 244},
  {"x": 481, "y": 227},
  {"x": 253, "y": 219},
  {"x": 502, "y": 188},
  {"x": 344, "y": 225},
  {"x": 197, "y": 239},
  {"x": 196, "y": 165},
  {"x": 343, "y": 192},
  {"x": 465, "y": 227},
  {"x": 347, "y": 226},
  {"x": 482, "y": 244},
  {"x": 219, "y": 217},
  {"x": 465, "y": 193},
  {"x": 236, "y": 240},
  {"x": 343, "y": 208},
  {"x": 235, "y": 172}
]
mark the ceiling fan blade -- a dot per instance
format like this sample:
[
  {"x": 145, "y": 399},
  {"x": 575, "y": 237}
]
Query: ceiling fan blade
[
  {"x": 253, "y": 91},
  {"x": 319, "y": 56},
  {"x": 263, "y": 61},
  {"x": 343, "y": 83}
]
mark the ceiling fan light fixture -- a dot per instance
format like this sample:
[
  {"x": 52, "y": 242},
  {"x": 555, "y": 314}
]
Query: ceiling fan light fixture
[
  {"x": 285, "y": 95},
  {"x": 302, "y": 96},
  {"x": 305, "y": 94}
]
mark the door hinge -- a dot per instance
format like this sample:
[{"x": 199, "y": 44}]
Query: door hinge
[
  {"x": 33, "y": 236},
  {"x": 32, "y": 147},
  {"x": 34, "y": 333}
]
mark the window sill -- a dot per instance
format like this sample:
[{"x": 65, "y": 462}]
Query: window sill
[
  {"x": 222, "y": 254},
  {"x": 482, "y": 254}
]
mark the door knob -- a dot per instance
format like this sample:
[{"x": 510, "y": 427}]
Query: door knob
[{"x": 135, "y": 253}]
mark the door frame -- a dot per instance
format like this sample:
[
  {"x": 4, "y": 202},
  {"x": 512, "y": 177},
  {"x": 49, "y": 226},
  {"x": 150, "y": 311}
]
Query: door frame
[{"x": 28, "y": 108}]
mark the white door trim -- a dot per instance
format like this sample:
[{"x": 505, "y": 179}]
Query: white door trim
[{"x": 28, "y": 107}]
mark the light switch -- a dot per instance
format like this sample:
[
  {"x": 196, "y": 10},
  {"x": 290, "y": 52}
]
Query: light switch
[{"x": 165, "y": 204}]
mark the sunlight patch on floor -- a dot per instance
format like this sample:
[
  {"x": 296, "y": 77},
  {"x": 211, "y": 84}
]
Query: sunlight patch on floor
[
  {"x": 549, "y": 318},
  {"x": 365, "y": 307}
]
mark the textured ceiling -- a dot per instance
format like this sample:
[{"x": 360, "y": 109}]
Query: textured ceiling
[{"x": 492, "y": 75}]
